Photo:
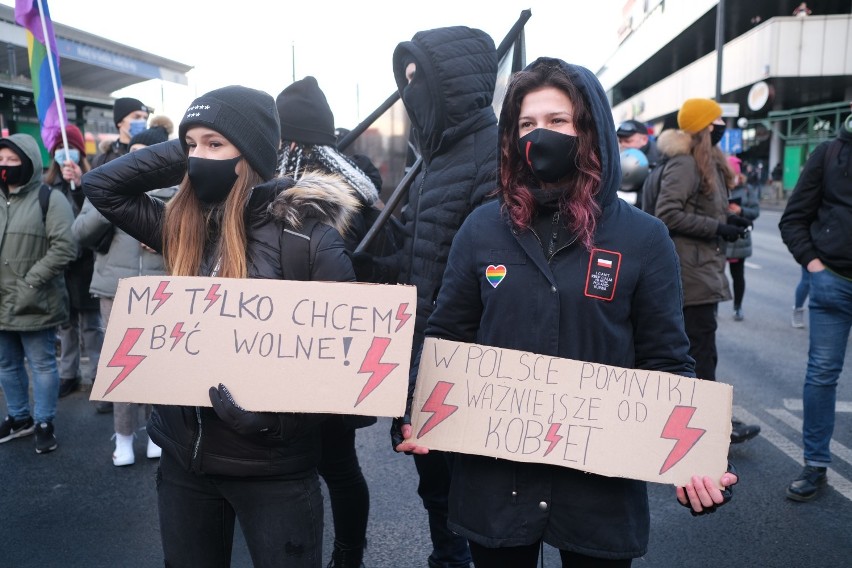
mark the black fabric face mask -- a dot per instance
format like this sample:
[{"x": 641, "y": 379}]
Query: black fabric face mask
[
  {"x": 11, "y": 175},
  {"x": 212, "y": 180},
  {"x": 717, "y": 133},
  {"x": 550, "y": 155},
  {"x": 418, "y": 102}
]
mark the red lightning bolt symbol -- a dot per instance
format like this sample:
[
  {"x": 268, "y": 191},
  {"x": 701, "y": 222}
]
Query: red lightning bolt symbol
[
  {"x": 553, "y": 437},
  {"x": 122, "y": 357},
  {"x": 177, "y": 334},
  {"x": 212, "y": 295},
  {"x": 436, "y": 405},
  {"x": 402, "y": 316},
  {"x": 677, "y": 428},
  {"x": 161, "y": 295},
  {"x": 372, "y": 364}
]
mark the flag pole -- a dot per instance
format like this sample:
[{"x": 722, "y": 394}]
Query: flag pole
[{"x": 60, "y": 103}]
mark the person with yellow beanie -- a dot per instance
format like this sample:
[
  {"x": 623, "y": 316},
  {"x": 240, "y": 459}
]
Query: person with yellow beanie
[{"x": 693, "y": 203}]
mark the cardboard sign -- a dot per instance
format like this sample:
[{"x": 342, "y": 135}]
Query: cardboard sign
[
  {"x": 278, "y": 345},
  {"x": 520, "y": 406}
]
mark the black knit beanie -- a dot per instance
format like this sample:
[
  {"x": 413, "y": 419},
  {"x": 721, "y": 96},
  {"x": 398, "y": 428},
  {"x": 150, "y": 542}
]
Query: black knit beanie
[
  {"x": 153, "y": 135},
  {"x": 305, "y": 115},
  {"x": 124, "y": 106},
  {"x": 246, "y": 117}
]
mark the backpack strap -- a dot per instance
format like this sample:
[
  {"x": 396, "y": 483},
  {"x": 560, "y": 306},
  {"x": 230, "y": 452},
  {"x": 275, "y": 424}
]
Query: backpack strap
[
  {"x": 297, "y": 260},
  {"x": 44, "y": 200}
]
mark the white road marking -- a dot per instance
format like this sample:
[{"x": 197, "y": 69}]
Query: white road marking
[
  {"x": 796, "y": 405},
  {"x": 793, "y": 450}
]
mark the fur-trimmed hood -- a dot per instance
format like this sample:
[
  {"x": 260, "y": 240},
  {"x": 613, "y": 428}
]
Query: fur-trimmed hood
[
  {"x": 326, "y": 197},
  {"x": 674, "y": 142}
]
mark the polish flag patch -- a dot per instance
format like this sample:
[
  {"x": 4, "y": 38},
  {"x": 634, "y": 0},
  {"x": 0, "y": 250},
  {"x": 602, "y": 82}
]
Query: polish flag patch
[{"x": 602, "y": 262}]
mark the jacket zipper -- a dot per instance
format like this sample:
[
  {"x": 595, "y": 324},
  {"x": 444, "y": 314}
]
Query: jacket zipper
[{"x": 416, "y": 219}]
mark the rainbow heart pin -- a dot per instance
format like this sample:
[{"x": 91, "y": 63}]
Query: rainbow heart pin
[{"x": 495, "y": 274}]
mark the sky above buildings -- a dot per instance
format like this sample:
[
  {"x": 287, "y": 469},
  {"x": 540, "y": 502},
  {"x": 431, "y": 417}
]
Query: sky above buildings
[{"x": 347, "y": 46}]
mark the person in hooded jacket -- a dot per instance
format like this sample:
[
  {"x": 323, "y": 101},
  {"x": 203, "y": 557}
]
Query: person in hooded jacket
[
  {"x": 84, "y": 322},
  {"x": 117, "y": 256},
  {"x": 446, "y": 78},
  {"x": 224, "y": 463},
  {"x": 693, "y": 203},
  {"x": 35, "y": 248},
  {"x": 557, "y": 213}
]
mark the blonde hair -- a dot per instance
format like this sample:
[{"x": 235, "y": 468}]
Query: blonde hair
[{"x": 186, "y": 229}]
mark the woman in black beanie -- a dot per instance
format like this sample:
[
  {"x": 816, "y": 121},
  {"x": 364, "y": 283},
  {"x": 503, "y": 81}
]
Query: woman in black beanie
[{"x": 224, "y": 463}]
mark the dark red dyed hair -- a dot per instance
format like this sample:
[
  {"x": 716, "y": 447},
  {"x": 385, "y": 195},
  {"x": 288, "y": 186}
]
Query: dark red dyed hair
[{"x": 577, "y": 204}]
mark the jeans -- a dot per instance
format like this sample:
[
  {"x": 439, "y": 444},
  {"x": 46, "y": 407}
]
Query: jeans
[
  {"x": 88, "y": 324},
  {"x": 700, "y": 323},
  {"x": 737, "y": 269},
  {"x": 802, "y": 289},
  {"x": 281, "y": 519},
  {"x": 449, "y": 550},
  {"x": 39, "y": 348},
  {"x": 347, "y": 488},
  {"x": 830, "y": 311}
]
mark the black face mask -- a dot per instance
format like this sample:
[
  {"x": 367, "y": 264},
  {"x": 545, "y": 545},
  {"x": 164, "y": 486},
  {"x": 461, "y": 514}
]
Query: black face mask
[
  {"x": 11, "y": 175},
  {"x": 717, "y": 133},
  {"x": 550, "y": 155},
  {"x": 418, "y": 102},
  {"x": 212, "y": 180}
]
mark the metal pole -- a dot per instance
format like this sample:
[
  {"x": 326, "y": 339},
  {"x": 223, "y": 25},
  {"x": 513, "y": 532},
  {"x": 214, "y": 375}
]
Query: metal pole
[{"x": 720, "y": 46}]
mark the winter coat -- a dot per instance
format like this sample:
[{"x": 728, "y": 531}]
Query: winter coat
[
  {"x": 459, "y": 153},
  {"x": 78, "y": 274},
  {"x": 109, "y": 152},
  {"x": 33, "y": 252},
  {"x": 692, "y": 218},
  {"x": 125, "y": 257},
  {"x": 553, "y": 308},
  {"x": 750, "y": 202},
  {"x": 313, "y": 208},
  {"x": 816, "y": 222}
]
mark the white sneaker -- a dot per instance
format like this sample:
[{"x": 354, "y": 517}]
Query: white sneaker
[
  {"x": 154, "y": 450},
  {"x": 123, "y": 454}
]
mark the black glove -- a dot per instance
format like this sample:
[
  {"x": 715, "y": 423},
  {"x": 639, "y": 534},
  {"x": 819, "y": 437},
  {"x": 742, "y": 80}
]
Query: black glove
[
  {"x": 243, "y": 421},
  {"x": 397, "y": 424},
  {"x": 738, "y": 221},
  {"x": 727, "y": 494},
  {"x": 730, "y": 232}
]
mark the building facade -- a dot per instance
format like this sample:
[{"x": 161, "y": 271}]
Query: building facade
[{"x": 785, "y": 80}]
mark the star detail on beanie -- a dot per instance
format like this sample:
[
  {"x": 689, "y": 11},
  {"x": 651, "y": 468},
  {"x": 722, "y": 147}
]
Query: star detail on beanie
[{"x": 205, "y": 112}]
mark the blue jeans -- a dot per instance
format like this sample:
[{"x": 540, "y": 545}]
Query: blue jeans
[
  {"x": 802, "y": 289},
  {"x": 281, "y": 519},
  {"x": 830, "y": 311},
  {"x": 449, "y": 550},
  {"x": 39, "y": 348}
]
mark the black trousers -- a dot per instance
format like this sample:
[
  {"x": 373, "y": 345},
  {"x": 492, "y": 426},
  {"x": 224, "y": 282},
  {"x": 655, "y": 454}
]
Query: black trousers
[
  {"x": 700, "y": 324},
  {"x": 527, "y": 556}
]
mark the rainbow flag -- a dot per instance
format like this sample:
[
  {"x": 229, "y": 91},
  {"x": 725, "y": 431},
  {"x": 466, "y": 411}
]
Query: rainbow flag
[{"x": 47, "y": 85}]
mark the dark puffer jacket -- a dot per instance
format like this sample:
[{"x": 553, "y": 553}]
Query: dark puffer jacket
[
  {"x": 547, "y": 307},
  {"x": 459, "y": 152},
  {"x": 195, "y": 436}
]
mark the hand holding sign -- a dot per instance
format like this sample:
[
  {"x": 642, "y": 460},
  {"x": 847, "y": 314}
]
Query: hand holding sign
[{"x": 243, "y": 421}]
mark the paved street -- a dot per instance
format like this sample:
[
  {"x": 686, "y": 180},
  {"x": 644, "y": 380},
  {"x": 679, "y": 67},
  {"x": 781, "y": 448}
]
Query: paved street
[{"x": 73, "y": 508}]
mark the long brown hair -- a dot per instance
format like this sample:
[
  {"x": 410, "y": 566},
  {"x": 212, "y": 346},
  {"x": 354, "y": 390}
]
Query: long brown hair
[
  {"x": 188, "y": 226},
  {"x": 710, "y": 160},
  {"x": 577, "y": 204}
]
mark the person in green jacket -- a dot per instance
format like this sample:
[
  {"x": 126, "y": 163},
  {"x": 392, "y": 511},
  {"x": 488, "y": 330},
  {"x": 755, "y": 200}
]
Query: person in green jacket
[{"x": 35, "y": 248}]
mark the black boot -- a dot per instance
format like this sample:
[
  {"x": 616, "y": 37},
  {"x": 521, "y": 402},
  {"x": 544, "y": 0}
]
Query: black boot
[
  {"x": 743, "y": 432},
  {"x": 806, "y": 486},
  {"x": 344, "y": 557}
]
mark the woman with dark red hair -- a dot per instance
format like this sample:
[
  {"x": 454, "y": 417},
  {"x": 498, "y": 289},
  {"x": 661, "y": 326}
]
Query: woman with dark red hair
[{"x": 580, "y": 275}]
